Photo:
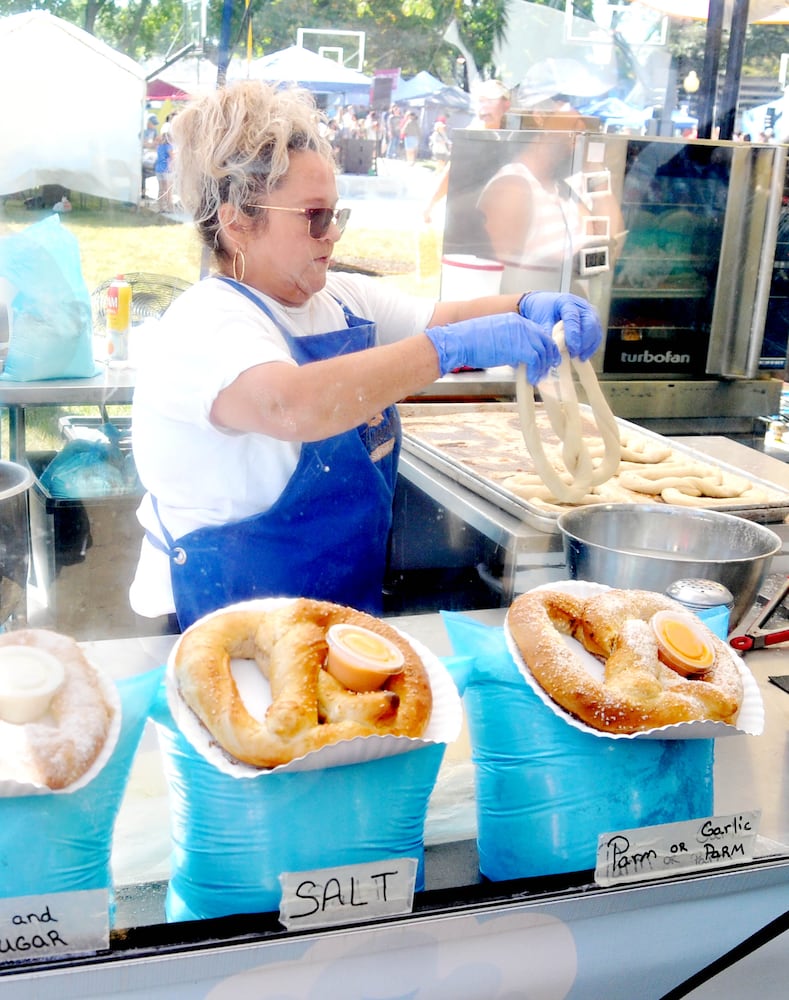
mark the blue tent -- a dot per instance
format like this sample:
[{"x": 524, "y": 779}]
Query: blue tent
[
  {"x": 425, "y": 89},
  {"x": 616, "y": 113},
  {"x": 424, "y": 84}
]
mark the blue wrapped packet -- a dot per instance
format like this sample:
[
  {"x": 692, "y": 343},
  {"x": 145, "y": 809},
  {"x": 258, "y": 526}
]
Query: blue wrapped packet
[
  {"x": 62, "y": 841},
  {"x": 233, "y": 837},
  {"x": 546, "y": 790}
]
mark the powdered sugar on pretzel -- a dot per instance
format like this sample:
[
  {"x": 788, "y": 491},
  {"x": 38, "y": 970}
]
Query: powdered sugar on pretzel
[
  {"x": 61, "y": 741},
  {"x": 638, "y": 691},
  {"x": 309, "y": 708}
]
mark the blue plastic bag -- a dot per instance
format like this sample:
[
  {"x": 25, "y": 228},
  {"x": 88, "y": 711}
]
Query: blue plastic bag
[
  {"x": 51, "y": 318},
  {"x": 233, "y": 837},
  {"x": 63, "y": 842},
  {"x": 90, "y": 470},
  {"x": 545, "y": 790}
]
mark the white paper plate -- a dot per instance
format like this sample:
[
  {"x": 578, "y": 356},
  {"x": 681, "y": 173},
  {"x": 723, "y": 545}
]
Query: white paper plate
[
  {"x": 444, "y": 726},
  {"x": 750, "y": 721},
  {"x": 15, "y": 789}
]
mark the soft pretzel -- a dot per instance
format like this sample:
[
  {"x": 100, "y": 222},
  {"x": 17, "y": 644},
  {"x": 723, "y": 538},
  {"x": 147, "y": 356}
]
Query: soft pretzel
[
  {"x": 58, "y": 748},
  {"x": 309, "y": 708},
  {"x": 638, "y": 691}
]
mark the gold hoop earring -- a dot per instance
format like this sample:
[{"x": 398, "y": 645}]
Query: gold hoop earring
[{"x": 239, "y": 253}]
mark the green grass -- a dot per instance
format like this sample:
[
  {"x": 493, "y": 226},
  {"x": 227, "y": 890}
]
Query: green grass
[{"x": 116, "y": 239}]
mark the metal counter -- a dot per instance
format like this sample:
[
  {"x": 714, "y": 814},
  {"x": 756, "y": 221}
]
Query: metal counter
[
  {"x": 458, "y": 526},
  {"x": 111, "y": 386},
  {"x": 577, "y": 940}
]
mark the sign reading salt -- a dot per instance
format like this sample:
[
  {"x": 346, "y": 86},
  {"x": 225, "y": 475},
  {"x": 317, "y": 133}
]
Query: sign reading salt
[
  {"x": 347, "y": 895},
  {"x": 675, "y": 848}
]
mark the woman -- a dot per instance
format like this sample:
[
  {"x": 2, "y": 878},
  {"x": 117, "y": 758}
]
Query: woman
[
  {"x": 264, "y": 424},
  {"x": 163, "y": 170},
  {"x": 411, "y": 133}
]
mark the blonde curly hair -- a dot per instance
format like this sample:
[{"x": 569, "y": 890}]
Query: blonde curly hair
[{"x": 233, "y": 146}]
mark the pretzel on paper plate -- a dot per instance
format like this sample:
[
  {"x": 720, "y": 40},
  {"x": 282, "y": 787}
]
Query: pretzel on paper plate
[
  {"x": 65, "y": 737},
  {"x": 309, "y": 708},
  {"x": 638, "y": 691},
  {"x": 582, "y": 473}
]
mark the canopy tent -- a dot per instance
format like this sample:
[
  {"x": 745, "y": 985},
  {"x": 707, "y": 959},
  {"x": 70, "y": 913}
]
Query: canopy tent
[
  {"x": 296, "y": 65},
  {"x": 160, "y": 90},
  {"x": 424, "y": 84},
  {"x": 424, "y": 89},
  {"x": 774, "y": 114},
  {"x": 737, "y": 15},
  {"x": 570, "y": 77},
  {"x": 616, "y": 113},
  {"x": 759, "y": 11},
  {"x": 85, "y": 133}
]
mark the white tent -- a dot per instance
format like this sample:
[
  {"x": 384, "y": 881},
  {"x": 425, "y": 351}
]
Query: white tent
[
  {"x": 72, "y": 110},
  {"x": 305, "y": 68}
]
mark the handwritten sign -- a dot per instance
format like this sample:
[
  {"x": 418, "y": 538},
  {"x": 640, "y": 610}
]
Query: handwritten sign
[
  {"x": 53, "y": 926},
  {"x": 349, "y": 894},
  {"x": 675, "y": 848}
]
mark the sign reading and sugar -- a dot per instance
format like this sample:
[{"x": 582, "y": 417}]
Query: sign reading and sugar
[{"x": 54, "y": 925}]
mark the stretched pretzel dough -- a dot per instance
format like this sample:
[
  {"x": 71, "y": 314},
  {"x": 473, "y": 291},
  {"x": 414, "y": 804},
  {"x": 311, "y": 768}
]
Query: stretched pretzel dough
[
  {"x": 309, "y": 709},
  {"x": 565, "y": 419}
]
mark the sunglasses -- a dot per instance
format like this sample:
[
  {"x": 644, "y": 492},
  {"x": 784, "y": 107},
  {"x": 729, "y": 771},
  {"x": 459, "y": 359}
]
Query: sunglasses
[{"x": 318, "y": 219}]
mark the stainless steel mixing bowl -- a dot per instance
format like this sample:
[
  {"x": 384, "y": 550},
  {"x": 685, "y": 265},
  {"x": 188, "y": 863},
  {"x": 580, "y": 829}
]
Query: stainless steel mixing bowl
[{"x": 649, "y": 546}]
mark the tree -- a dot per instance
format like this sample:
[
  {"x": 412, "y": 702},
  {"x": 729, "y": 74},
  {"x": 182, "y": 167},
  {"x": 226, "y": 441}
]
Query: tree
[{"x": 481, "y": 24}]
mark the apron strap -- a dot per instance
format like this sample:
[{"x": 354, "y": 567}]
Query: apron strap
[{"x": 168, "y": 544}]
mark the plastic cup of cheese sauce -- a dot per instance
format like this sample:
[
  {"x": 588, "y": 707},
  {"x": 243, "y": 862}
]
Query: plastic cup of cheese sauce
[
  {"x": 360, "y": 659},
  {"x": 682, "y": 643},
  {"x": 29, "y": 679}
]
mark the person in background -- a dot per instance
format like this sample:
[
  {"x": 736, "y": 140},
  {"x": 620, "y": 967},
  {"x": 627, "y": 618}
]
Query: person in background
[
  {"x": 440, "y": 145},
  {"x": 411, "y": 133},
  {"x": 393, "y": 123},
  {"x": 349, "y": 123},
  {"x": 492, "y": 101},
  {"x": 270, "y": 457},
  {"x": 372, "y": 127},
  {"x": 64, "y": 205},
  {"x": 537, "y": 216},
  {"x": 163, "y": 169},
  {"x": 150, "y": 138}
]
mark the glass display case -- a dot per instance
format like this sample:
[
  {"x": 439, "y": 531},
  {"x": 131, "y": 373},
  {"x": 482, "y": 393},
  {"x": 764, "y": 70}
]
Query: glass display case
[{"x": 672, "y": 240}]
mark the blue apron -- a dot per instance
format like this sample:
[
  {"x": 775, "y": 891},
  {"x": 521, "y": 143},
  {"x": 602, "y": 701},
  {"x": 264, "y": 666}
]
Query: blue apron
[{"x": 326, "y": 536}]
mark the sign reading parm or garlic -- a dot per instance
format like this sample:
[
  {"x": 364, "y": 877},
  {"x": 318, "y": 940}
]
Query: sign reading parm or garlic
[{"x": 676, "y": 848}]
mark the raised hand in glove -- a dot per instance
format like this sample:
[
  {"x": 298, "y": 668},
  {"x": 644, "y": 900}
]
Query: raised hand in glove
[
  {"x": 582, "y": 330},
  {"x": 502, "y": 339}
]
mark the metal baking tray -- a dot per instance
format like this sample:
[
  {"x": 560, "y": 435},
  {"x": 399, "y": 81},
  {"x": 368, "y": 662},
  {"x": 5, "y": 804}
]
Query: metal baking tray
[{"x": 766, "y": 513}]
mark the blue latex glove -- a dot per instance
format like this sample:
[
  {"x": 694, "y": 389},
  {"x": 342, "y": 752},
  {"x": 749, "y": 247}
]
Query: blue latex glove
[
  {"x": 502, "y": 339},
  {"x": 582, "y": 330}
]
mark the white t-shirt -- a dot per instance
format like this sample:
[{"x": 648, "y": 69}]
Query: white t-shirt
[{"x": 199, "y": 474}]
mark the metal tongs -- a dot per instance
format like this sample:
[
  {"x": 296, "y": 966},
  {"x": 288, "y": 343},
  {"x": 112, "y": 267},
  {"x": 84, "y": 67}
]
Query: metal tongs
[{"x": 754, "y": 634}]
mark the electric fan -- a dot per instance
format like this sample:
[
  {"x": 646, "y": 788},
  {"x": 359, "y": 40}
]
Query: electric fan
[{"x": 151, "y": 295}]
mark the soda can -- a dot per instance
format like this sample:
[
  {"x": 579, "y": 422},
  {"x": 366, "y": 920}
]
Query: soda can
[{"x": 119, "y": 296}]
